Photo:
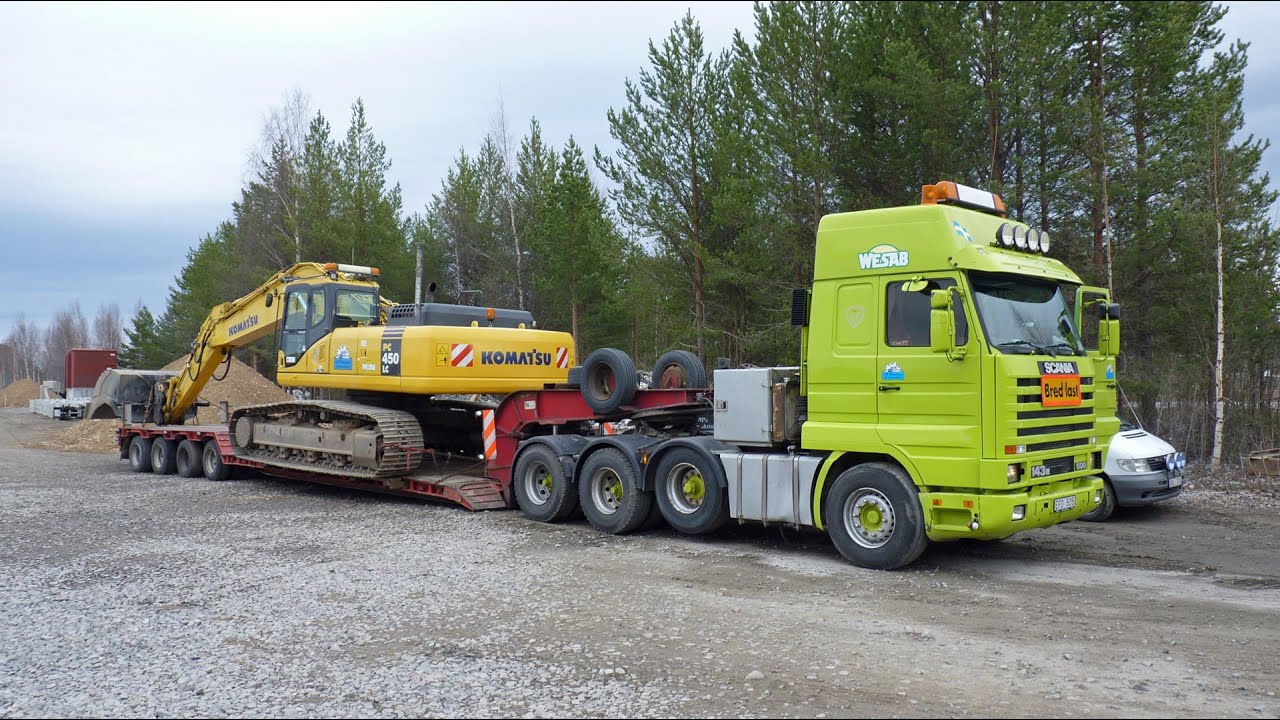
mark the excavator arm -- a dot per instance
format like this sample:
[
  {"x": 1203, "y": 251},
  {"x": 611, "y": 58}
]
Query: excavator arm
[{"x": 239, "y": 322}]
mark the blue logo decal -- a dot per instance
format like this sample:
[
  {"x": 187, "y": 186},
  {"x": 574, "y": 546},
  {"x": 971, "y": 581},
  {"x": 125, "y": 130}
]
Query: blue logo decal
[
  {"x": 342, "y": 358},
  {"x": 1111, "y": 373},
  {"x": 893, "y": 371},
  {"x": 961, "y": 231}
]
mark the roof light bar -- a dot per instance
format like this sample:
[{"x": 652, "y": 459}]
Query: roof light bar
[{"x": 947, "y": 192}]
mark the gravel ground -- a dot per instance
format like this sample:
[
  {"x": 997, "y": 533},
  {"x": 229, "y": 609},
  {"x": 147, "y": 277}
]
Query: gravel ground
[{"x": 132, "y": 595}]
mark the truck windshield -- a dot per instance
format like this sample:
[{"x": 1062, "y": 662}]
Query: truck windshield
[{"x": 1025, "y": 315}]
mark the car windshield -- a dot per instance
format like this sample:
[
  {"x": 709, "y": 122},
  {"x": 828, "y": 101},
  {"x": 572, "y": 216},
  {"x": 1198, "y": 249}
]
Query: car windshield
[{"x": 1025, "y": 315}]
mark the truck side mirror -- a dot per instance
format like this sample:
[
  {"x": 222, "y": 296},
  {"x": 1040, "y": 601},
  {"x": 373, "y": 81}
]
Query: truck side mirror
[
  {"x": 1109, "y": 337},
  {"x": 942, "y": 323}
]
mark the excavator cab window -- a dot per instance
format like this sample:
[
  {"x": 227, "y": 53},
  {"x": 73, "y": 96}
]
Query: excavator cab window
[
  {"x": 293, "y": 336},
  {"x": 352, "y": 308}
]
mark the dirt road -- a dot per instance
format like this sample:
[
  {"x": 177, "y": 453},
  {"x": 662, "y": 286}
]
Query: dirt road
[{"x": 128, "y": 594}]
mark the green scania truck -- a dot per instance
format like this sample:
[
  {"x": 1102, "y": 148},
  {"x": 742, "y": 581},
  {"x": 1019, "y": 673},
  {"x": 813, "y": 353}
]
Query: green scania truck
[{"x": 945, "y": 390}]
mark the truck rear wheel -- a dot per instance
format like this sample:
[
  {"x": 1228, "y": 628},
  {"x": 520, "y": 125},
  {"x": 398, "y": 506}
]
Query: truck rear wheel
[
  {"x": 190, "y": 462},
  {"x": 211, "y": 457},
  {"x": 610, "y": 493},
  {"x": 543, "y": 492},
  {"x": 140, "y": 454},
  {"x": 687, "y": 493},
  {"x": 874, "y": 517},
  {"x": 608, "y": 380},
  {"x": 164, "y": 456}
]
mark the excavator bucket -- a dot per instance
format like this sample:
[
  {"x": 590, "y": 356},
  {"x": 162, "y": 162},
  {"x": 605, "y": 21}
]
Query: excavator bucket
[{"x": 117, "y": 387}]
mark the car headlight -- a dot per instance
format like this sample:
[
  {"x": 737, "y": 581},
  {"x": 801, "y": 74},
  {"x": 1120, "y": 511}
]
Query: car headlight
[{"x": 1136, "y": 465}]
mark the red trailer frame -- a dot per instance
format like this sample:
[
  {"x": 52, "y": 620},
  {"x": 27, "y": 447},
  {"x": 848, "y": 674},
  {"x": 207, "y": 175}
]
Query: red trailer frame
[{"x": 470, "y": 483}]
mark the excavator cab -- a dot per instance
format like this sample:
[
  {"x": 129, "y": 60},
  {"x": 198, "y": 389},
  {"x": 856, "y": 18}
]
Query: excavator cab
[{"x": 311, "y": 312}]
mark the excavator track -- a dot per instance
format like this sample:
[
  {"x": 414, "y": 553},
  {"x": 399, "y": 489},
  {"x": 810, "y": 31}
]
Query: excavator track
[{"x": 329, "y": 437}]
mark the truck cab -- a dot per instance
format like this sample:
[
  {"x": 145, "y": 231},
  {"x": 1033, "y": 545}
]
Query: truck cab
[{"x": 940, "y": 339}]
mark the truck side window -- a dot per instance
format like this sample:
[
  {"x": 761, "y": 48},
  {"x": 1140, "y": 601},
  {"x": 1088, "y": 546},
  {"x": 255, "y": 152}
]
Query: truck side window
[{"x": 907, "y": 315}]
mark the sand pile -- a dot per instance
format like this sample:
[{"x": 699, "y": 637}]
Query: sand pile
[
  {"x": 18, "y": 392},
  {"x": 241, "y": 387},
  {"x": 90, "y": 436}
]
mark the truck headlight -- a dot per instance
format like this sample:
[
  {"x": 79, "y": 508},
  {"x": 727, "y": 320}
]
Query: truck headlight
[
  {"x": 1019, "y": 512},
  {"x": 1014, "y": 473}
]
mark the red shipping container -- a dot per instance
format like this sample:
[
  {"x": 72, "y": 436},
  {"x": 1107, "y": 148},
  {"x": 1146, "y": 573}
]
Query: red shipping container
[{"x": 83, "y": 366}]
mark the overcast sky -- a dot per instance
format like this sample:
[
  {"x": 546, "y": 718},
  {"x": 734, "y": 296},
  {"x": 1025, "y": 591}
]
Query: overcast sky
[{"x": 124, "y": 129}]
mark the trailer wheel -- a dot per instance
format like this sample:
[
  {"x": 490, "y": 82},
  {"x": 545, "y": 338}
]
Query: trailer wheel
[
  {"x": 543, "y": 492},
  {"x": 679, "y": 369},
  {"x": 610, "y": 493},
  {"x": 211, "y": 457},
  {"x": 140, "y": 454},
  {"x": 874, "y": 517},
  {"x": 190, "y": 462},
  {"x": 164, "y": 456},
  {"x": 1103, "y": 512},
  {"x": 688, "y": 494},
  {"x": 608, "y": 380}
]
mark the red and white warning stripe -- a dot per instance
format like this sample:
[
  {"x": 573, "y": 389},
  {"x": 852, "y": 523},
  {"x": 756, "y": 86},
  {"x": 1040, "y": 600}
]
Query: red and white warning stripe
[
  {"x": 562, "y": 357},
  {"x": 606, "y": 428},
  {"x": 462, "y": 355},
  {"x": 490, "y": 435}
]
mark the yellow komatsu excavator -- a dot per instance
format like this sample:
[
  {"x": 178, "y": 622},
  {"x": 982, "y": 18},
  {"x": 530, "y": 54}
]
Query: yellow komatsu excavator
[{"x": 392, "y": 375}]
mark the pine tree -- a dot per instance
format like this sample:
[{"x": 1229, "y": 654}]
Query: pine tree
[
  {"x": 143, "y": 349},
  {"x": 667, "y": 137}
]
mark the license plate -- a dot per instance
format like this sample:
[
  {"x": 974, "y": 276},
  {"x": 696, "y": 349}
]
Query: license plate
[
  {"x": 1064, "y": 503},
  {"x": 1059, "y": 390},
  {"x": 1175, "y": 481}
]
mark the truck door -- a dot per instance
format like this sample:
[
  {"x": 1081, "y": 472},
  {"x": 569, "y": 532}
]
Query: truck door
[
  {"x": 930, "y": 406},
  {"x": 842, "y": 356}
]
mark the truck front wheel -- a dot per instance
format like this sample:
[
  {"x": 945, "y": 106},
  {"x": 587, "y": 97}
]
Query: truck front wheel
[
  {"x": 610, "y": 493},
  {"x": 542, "y": 490},
  {"x": 874, "y": 517}
]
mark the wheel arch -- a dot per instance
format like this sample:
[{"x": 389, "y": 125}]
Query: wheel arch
[
  {"x": 704, "y": 445},
  {"x": 631, "y": 447},
  {"x": 565, "y": 447},
  {"x": 838, "y": 462}
]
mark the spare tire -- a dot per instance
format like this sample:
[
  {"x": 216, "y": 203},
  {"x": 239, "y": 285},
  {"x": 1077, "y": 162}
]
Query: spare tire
[
  {"x": 679, "y": 369},
  {"x": 608, "y": 380}
]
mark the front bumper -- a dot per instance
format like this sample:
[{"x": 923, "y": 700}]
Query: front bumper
[
  {"x": 1145, "y": 489},
  {"x": 951, "y": 515}
]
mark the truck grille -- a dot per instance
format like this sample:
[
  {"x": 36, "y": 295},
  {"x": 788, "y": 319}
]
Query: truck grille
[
  {"x": 1157, "y": 464},
  {"x": 1034, "y": 422}
]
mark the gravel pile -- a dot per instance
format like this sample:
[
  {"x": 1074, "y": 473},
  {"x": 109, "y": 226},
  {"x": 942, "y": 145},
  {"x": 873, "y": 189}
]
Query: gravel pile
[
  {"x": 240, "y": 387},
  {"x": 90, "y": 436},
  {"x": 162, "y": 596},
  {"x": 18, "y": 392}
]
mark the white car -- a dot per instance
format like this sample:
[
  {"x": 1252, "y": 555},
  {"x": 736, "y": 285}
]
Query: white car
[{"x": 1141, "y": 469}]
